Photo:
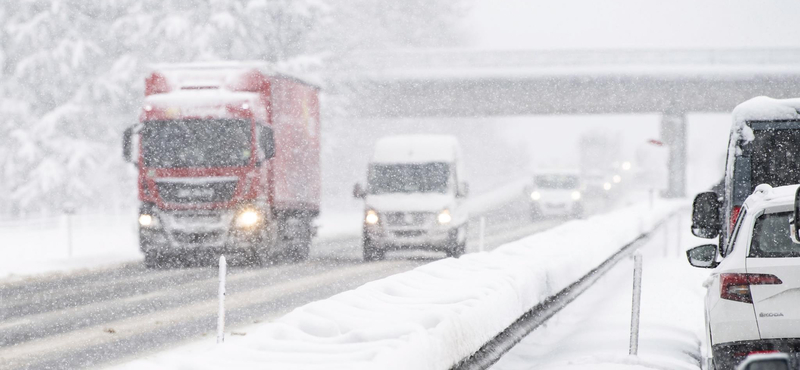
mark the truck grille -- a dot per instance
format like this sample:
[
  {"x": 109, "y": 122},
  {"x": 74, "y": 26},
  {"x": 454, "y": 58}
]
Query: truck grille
[
  {"x": 199, "y": 192},
  {"x": 408, "y": 218},
  {"x": 197, "y": 238}
]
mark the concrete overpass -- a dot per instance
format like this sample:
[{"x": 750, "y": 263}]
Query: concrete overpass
[{"x": 468, "y": 83}]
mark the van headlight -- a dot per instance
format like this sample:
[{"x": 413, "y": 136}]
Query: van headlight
[
  {"x": 371, "y": 218},
  {"x": 444, "y": 217},
  {"x": 576, "y": 195},
  {"x": 149, "y": 221},
  {"x": 247, "y": 218},
  {"x": 536, "y": 195}
]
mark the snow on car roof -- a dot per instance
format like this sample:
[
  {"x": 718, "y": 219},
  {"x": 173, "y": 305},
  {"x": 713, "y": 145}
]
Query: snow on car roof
[
  {"x": 765, "y": 196},
  {"x": 416, "y": 149},
  {"x": 761, "y": 108},
  {"x": 555, "y": 171}
]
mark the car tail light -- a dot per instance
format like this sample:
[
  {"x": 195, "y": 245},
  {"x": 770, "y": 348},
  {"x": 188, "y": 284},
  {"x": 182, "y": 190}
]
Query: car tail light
[
  {"x": 734, "y": 216},
  {"x": 736, "y": 287}
]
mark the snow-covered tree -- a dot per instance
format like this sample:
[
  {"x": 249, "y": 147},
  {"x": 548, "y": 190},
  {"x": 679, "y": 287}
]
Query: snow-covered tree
[{"x": 72, "y": 72}]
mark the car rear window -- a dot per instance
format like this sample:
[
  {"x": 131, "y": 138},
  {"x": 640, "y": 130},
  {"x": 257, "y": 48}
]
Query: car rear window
[
  {"x": 775, "y": 156},
  {"x": 771, "y": 237}
]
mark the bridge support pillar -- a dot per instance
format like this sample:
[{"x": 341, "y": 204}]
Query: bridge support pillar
[{"x": 673, "y": 134}]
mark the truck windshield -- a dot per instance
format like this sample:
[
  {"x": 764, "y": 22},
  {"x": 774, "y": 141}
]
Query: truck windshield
[
  {"x": 408, "y": 178},
  {"x": 196, "y": 143},
  {"x": 775, "y": 157},
  {"x": 555, "y": 181},
  {"x": 771, "y": 238}
]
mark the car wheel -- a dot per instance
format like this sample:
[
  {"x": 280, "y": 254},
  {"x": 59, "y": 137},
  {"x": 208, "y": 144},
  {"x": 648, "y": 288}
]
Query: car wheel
[
  {"x": 155, "y": 260},
  {"x": 372, "y": 252},
  {"x": 267, "y": 245}
]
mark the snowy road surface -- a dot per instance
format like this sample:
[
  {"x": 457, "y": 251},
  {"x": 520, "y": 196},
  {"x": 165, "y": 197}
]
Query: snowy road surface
[{"x": 102, "y": 316}]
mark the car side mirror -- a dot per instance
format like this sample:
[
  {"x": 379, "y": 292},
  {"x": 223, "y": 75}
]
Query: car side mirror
[
  {"x": 704, "y": 256},
  {"x": 127, "y": 144},
  {"x": 463, "y": 190},
  {"x": 794, "y": 223},
  {"x": 706, "y": 222},
  {"x": 766, "y": 361},
  {"x": 359, "y": 192},
  {"x": 266, "y": 141}
]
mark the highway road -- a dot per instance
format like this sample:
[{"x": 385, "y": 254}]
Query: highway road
[{"x": 105, "y": 316}]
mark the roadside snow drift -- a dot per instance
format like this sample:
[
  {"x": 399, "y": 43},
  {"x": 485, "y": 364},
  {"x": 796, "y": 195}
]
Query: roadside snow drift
[{"x": 429, "y": 317}]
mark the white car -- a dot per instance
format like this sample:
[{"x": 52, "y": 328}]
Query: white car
[
  {"x": 556, "y": 193},
  {"x": 752, "y": 303}
]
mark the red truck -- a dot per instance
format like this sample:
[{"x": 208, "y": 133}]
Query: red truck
[{"x": 228, "y": 156}]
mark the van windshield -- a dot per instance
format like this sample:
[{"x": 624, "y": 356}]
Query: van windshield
[
  {"x": 775, "y": 157},
  {"x": 771, "y": 237},
  {"x": 556, "y": 181},
  {"x": 408, "y": 178}
]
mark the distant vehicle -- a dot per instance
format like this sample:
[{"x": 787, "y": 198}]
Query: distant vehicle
[
  {"x": 556, "y": 193},
  {"x": 228, "y": 159},
  {"x": 753, "y": 293},
  {"x": 414, "y": 196},
  {"x": 764, "y": 148}
]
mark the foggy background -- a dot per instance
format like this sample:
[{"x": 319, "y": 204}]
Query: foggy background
[{"x": 72, "y": 72}]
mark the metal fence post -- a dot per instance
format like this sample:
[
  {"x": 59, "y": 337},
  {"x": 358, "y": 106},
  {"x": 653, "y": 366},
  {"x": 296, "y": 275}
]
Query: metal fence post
[
  {"x": 223, "y": 267},
  {"x": 482, "y": 233},
  {"x": 637, "y": 299}
]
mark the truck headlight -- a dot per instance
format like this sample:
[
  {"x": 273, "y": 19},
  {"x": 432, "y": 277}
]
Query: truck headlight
[
  {"x": 576, "y": 195},
  {"x": 149, "y": 221},
  {"x": 372, "y": 217},
  {"x": 536, "y": 195},
  {"x": 444, "y": 217},
  {"x": 247, "y": 218}
]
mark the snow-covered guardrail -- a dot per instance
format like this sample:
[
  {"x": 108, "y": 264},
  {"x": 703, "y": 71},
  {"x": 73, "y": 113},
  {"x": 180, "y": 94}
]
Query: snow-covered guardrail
[
  {"x": 436, "y": 315},
  {"x": 496, "y": 347}
]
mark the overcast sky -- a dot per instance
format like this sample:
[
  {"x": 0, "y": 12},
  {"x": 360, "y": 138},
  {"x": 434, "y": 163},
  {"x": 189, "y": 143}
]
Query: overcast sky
[{"x": 589, "y": 24}]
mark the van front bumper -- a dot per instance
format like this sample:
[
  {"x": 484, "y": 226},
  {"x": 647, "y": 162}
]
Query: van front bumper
[{"x": 438, "y": 238}]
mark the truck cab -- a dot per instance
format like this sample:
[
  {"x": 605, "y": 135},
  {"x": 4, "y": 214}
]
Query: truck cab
[
  {"x": 413, "y": 199},
  {"x": 228, "y": 162}
]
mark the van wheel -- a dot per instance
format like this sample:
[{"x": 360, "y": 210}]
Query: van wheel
[
  {"x": 153, "y": 260},
  {"x": 455, "y": 248},
  {"x": 372, "y": 252}
]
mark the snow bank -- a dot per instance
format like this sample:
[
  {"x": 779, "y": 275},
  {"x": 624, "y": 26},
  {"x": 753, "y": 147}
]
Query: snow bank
[
  {"x": 40, "y": 245},
  {"x": 429, "y": 317}
]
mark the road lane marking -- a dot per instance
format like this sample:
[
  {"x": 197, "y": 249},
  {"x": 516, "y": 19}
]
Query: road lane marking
[{"x": 96, "y": 335}]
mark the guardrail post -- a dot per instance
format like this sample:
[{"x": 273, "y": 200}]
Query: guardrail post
[
  {"x": 637, "y": 299},
  {"x": 482, "y": 233},
  {"x": 223, "y": 269}
]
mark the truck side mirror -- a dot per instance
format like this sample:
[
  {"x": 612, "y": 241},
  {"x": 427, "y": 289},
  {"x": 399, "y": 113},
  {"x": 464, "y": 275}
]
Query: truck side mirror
[
  {"x": 703, "y": 256},
  {"x": 359, "y": 192},
  {"x": 463, "y": 190},
  {"x": 266, "y": 141},
  {"x": 706, "y": 221},
  {"x": 127, "y": 144},
  {"x": 794, "y": 223}
]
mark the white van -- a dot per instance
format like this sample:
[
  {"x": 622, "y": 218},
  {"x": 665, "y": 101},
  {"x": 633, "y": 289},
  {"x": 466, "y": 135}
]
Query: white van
[{"x": 414, "y": 196}]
